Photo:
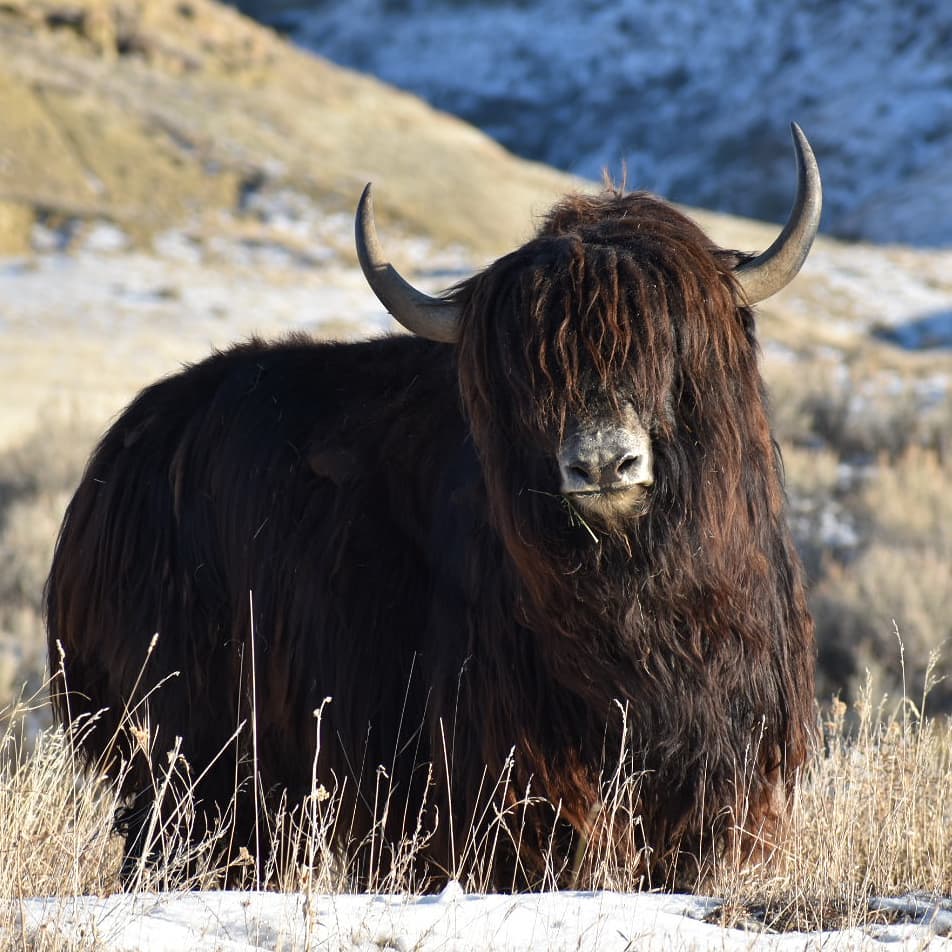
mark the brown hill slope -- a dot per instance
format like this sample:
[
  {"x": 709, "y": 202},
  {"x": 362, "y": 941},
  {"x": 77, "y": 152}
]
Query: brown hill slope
[{"x": 143, "y": 113}]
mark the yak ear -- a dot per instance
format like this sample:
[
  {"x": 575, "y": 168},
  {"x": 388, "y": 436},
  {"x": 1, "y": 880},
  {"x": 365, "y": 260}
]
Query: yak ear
[
  {"x": 766, "y": 274},
  {"x": 425, "y": 316}
]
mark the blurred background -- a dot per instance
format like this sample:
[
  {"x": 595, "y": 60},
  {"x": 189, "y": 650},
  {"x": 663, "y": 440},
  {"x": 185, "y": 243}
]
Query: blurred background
[
  {"x": 175, "y": 175},
  {"x": 692, "y": 97}
]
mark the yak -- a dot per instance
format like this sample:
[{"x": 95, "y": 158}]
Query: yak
[{"x": 518, "y": 586}]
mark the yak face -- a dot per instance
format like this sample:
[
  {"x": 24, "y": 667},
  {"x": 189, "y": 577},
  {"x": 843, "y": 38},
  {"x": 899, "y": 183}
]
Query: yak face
[
  {"x": 611, "y": 361},
  {"x": 572, "y": 350},
  {"x": 562, "y": 367}
]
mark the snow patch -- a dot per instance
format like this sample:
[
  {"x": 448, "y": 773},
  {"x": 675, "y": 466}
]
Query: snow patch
[{"x": 601, "y": 921}]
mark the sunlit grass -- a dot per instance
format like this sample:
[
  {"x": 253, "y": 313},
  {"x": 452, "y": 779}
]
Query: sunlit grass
[{"x": 870, "y": 817}]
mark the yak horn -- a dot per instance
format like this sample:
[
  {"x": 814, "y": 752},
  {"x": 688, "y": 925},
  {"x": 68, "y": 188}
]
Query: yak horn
[
  {"x": 778, "y": 265},
  {"x": 426, "y": 316}
]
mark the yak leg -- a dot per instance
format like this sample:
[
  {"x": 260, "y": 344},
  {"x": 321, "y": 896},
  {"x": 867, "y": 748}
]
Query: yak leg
[{"x": 131, "y": 821}]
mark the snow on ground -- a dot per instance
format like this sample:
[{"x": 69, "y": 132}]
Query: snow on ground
[
  {"x": 899, "y": 295},
  {"x": 82, "y": 331},
  {"x": 603, "y": 921}
]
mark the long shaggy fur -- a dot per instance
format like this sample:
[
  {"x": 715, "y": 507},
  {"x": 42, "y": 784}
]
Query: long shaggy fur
[{"x": 390, "y": 510}]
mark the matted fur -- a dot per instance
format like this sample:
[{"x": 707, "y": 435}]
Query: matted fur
[{"x": 393, "y": 506}]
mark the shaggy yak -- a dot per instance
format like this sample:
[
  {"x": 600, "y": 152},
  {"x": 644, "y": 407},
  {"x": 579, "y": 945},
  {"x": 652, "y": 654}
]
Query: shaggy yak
[{"x": 535, "y": 555}]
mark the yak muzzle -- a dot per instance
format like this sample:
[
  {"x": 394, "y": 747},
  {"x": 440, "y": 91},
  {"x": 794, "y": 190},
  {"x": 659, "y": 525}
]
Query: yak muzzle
[{"x": 601, "y": 466}]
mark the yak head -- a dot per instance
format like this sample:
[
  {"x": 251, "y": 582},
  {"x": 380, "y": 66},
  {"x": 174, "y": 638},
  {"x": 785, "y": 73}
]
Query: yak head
[{"x": 610, "y": 362}]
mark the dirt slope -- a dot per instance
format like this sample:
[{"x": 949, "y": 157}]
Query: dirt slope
[{"x": 143, "y": 113}]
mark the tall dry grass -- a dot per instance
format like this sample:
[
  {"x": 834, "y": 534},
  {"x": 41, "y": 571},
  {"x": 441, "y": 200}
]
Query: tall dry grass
[
  {"x": 871, "y": 816},
  {"x": 37, "y": 477}
]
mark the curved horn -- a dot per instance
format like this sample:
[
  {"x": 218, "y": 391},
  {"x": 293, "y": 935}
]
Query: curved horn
[
  {"x": 778, "y": 265},
  {"x": 426, "y": 316}
]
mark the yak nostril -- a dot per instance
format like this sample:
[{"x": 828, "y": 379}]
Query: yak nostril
[
  {"x": 627, "y": 463},
  {"x": 580, "y": 471}
]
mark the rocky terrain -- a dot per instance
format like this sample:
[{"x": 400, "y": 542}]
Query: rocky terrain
[
  {"x": 152, "y": 114},
  {"x": 692, "y": 98}
]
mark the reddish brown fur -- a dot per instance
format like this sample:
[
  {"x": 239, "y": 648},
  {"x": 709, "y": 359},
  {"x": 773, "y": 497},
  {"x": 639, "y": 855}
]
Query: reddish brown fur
[
  {"x": 701, "y": 599},
  {"x": 418, "y": 564}
]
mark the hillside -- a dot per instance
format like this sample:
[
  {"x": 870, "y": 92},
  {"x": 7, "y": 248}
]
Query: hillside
[
  {"x": 148, "y": 114},
  {"x": 694, "y": 98}
]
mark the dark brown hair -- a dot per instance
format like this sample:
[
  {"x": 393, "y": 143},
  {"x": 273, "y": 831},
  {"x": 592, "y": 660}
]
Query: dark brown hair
[{"x": 694, "y": 613}]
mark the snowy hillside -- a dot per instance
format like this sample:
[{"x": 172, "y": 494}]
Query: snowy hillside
[{"x": 695, "y": 98}]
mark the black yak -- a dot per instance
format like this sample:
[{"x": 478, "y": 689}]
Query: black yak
[{"x": 535, "y": 547}]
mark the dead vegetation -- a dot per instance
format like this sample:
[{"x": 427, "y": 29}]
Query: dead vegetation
[
  {"x": 869, "y": 474},
  {"x": 870, "y": 818}
]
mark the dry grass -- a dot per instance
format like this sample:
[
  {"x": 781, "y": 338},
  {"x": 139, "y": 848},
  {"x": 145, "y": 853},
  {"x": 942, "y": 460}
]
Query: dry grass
[
  {"x": 54, "y": 824},
  {"x": 870, "y": 817},
  {"x": 868, "y": 462},
  {"x": 37, "y": 478}
]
